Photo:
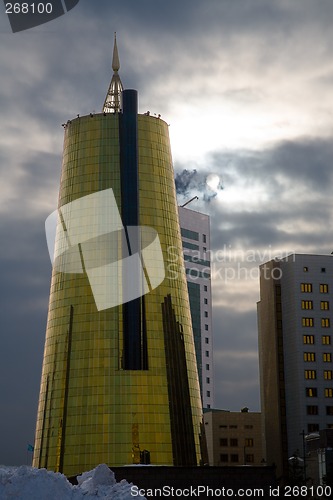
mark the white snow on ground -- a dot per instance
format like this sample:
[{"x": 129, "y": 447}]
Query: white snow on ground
[{"x": 28, "y": 483}]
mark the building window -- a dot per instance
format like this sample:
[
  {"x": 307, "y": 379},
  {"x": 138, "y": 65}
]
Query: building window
[
  {"x": 206, "y": 314},
  {"x": 249, "y": 458},
  {"x": 247, "y": 426},
  {"x": 307, "y": 321},
  {"x": 305, "y": 269},
  {"x": 313, "y": 428},
  {"x": 207, "y": 367},
  {"x": 310, "y": 374},
  {"x": 308, "y": 339},
  {"x": 207, "y": 354},
  {"x": 223, "y": 426},
  {"x": 208, "y": 406},
  {"x": 205, "y": 301},
  {"x": 207, "y": 340},
  {"x": 323, "y": 288},
  {"x": 233, "y": 442},
  {"x": 307, "y": 304},
  {"x": 207, "y": 380},
  {"x": 205, "y": 288},
  {"x": 232, "y": 426},
  {"x": 329, "y": 410},
  {"x": 234, "y": 457},
  {"x": 311, "y": 392},
  {"x": 206, "y": 328},
  {"x": 309, "y": 356},
  {"x": 208, "y": 394},
  {"x": 328, "y": 374},
  {"x": 324, "y": 305},
  {"x": 223, "y": 442},
  {"x": 312, "y": 410},
  {"x": 248, "y": 442},
  {"x": 204, "y": 238},
  {"x": 325, "y": 322},
  {"x": 191, "y": 235},
  {"x": 224, "y": 458},
  {"x": 306, "y": 287},
  {"x": 328, "y": 392},
  {"x": 326, "y": 339},
  {"x": 323, "y": 269},
  {"x": 327, "y": 357}
]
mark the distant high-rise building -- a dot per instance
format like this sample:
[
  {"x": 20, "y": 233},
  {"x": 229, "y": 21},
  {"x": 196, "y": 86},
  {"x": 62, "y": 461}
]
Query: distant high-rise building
[
  {"x": 195, "y": 232},
  {"x": 119, "y": 381},
  {"x": 295, "y": 352}
]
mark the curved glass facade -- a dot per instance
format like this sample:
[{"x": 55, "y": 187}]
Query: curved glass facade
[{"x": 97, "y": 404}]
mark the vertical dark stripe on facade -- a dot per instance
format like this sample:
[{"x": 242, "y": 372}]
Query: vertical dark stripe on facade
[
  {"x": 183, "y": 444},
  {"x": 67, "y": 370},
  {"x": 281, "y": 381},
  {"x": 135, "y": 348},
  {"x": 44, "y": 419}
]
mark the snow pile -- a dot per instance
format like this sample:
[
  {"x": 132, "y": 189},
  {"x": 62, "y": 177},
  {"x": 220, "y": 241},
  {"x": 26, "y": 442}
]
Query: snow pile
[{"x": 28, "y": 483}]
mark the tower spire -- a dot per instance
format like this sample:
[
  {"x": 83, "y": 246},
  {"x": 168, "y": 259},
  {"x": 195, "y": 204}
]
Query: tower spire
[{"x": 112, "y": 100}]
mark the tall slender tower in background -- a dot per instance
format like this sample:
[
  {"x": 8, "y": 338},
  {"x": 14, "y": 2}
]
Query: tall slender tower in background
[{"x": 119, "y": 380}]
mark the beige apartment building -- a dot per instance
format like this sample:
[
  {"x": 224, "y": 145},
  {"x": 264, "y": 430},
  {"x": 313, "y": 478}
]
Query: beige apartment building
[{"x": 234, "y": 438}]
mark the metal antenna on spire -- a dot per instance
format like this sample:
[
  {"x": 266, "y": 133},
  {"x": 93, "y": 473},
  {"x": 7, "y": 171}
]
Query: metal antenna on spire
[{"x": 112, "y": 100}]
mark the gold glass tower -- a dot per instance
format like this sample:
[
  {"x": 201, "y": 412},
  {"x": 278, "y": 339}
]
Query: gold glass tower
[{"x": 119, "y": 385}]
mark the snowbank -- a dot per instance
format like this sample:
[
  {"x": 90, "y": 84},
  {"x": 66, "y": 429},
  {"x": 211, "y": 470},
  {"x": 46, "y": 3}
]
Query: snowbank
[{"x": 28, "y": 483}]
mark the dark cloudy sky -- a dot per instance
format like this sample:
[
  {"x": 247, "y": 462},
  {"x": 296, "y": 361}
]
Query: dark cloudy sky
[{"x": 246, "y": 86}]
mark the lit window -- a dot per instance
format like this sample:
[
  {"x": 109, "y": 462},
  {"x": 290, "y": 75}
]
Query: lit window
[
  {"x": 306, "y": 287},
  {"x": 325, "y": 322},
  {"x": 308, "y": 339},
  {"x": 328, "y": 374},
  {"x": 327, "y": 357},
  {"x": 323, "y": 288},
  {"x": 324, "y": 305},
  {"x": 311, "y": 392},
  {"x": 312, "y": 410},
  {"x": 307, "y": 304},
  {"x": 309, "y": 356},
  {"x": 248, "y": 441},
  {"x": 328, "y": 392},
  {"x": 307, "y": 321},
  {"x": 326, "y": 339},
  {"x": 310, "y": 374}
]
